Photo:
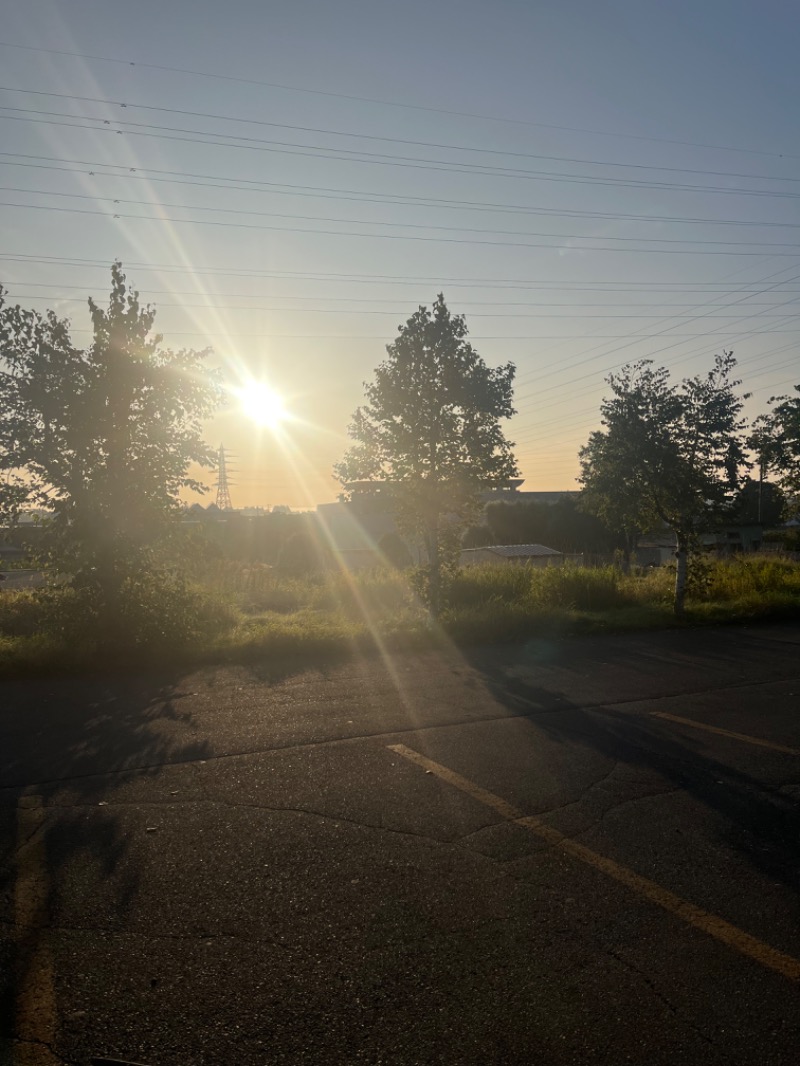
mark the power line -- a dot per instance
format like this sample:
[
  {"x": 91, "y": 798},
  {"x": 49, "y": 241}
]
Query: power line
[
  {"x": 592, "y": 388},
  {"x": 477, "y": 337},
  {"x": 387, "y": 236},
  {"x": 387, "y": 224},
  {"x": 376, "y": 159},
  {"x": 340, "y": 278},
  {"x": 397, "y": 104},
  {"x": 390, "y": 140},
  {"x": 338, "y": 299},
  {"x": 385, "y": 312},
  {"x": 636, "y": 339},
  {"x": 360, "y": 196}
]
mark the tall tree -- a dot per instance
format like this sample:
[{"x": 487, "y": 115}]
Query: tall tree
[
  {"x": 430, "y": 431},
  {"x": 102, "y": 438},
  {"x": 668, "y": 454},
  {"x": 759, "y": 503},
  {"x": 776, "y": 440}
]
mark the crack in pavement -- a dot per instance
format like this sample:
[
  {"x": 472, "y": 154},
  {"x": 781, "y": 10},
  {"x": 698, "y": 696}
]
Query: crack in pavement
[
  {"x": 651, "y": 985},
  {"x": 250, "y": 805},
  {"x": 607, "y": 705}
]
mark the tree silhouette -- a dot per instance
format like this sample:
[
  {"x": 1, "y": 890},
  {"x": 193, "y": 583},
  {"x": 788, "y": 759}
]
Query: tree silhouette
[
  {"x": 102, "y": 438},
  {"x": 429, "y": 433},
  {"x": 777, "y": 441},
  {"x": 671, "y": 455}
]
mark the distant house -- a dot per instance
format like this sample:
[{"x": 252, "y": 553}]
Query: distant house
[
  {"x": 732, "y": 540},
  {"x": 655, "y": 550},
  {"x": 658, "y": 549},
  {"x": 513, "y": 555}
]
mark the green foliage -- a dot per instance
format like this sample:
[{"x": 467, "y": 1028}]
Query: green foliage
[
  {"x": 103, "y": 438},
  {"x": 759, "y": 503},
  {"x": 257, "y": 612},
  {"x": 743, "y": 576},
  {"x": 776, "y": 440},
  {"x": 430, "y": 430},
  {"x": 566, "y": 586},
  {"x": 668, "y": 454},
  {"x": 478, "y": 537},
  {"x": 159, "y": 611},
  {"x": 563, "y": 525}
]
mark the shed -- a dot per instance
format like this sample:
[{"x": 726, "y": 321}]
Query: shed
[{"x": 513, "y": 555}]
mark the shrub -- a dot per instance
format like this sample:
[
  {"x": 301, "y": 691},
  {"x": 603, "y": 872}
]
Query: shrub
[{"x": 581, "y": 588}]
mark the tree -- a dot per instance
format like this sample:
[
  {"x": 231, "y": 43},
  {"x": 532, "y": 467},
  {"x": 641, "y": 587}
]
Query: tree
[
  {"x": 670, "y": 454},
  {"x": 430, "y": 432},
  {"x": 776, "y": 440},
  {"x": 759, "y": 503},
  {"x": 102, "y": 437}
]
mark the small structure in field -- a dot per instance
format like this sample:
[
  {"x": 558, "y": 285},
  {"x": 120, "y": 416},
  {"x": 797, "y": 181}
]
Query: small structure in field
[{"x": 512, "y": 555}]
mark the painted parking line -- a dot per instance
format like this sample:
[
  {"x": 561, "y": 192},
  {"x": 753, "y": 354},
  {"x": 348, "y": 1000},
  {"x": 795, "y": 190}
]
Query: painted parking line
[
  {"x": 34, "y": 1003},
  {"x": 708, "y": 923},
  {"x": 744, "y": 737}
]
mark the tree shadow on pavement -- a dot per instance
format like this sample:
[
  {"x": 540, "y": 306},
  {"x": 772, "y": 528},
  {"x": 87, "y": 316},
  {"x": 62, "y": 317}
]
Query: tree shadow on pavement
[
  {"x": 65, "y": 748},
  {"x": 754, "y": 819}
]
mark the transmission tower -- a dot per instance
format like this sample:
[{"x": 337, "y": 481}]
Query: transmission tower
[{"x": 223, "y": 490}]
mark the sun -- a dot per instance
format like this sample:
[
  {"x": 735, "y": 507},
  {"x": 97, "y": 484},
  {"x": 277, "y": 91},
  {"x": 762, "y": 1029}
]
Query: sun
[{"x": 261, "y": 403}]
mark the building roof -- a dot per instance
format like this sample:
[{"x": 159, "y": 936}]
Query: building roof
[{"x": 520, "y": 551}]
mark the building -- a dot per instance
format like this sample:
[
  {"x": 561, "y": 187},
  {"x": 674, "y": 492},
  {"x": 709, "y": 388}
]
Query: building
[{"x": 512, "y": 555}]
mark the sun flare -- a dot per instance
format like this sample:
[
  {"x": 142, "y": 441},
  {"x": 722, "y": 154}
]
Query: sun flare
[{"x": 262, "y": 404}]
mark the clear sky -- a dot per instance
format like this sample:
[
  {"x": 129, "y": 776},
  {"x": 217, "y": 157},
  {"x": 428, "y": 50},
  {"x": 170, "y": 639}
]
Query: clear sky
[{"x": 598, "y": 183}]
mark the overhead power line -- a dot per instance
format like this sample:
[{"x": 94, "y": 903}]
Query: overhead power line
[
  {"x": 602, "y": 351},
  {"x": 590, "y": 285},
  {"x": 395, "y": 103},
  {"x": 170, "y": 133},
  {"x": 388, "y": 140},
  {"x": 112, "y": 215},
  {"x": 633, "y": 339},
  {"x": 389, "y": 224},
  {"x": 359, "y": 196},
  {"x": 659, "y": 351},
  {"x": 148, "y": 291},
  {"x": 396, "y": 313}
]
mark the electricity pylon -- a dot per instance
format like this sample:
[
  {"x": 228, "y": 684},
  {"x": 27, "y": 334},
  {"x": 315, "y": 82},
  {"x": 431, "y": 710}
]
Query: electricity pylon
[{"x": 223, "y": 489}]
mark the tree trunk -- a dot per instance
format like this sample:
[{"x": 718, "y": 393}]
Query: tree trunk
[
  {"x": 681, "y": 571},
  {"x": 434, "y": 571}
]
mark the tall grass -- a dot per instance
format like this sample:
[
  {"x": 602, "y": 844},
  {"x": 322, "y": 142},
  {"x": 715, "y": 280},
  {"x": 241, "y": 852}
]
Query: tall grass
[{"x": 242, "y": 611}]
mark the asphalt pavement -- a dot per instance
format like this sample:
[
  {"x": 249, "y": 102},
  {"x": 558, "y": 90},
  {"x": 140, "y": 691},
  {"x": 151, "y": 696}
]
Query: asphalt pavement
[{"x": 563, "y": 852}]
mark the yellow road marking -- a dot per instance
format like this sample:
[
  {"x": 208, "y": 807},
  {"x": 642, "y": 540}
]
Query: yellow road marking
[
  {"x": 696, "y": 917},
  {"x": 35, "y": 1007},
  {"x": 757, "y": 741}
]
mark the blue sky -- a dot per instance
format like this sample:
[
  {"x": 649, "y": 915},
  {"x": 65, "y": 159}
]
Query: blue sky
[{"x": 296, "y": 252}]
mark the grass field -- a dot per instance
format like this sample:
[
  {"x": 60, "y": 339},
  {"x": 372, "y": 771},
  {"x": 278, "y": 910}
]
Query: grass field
[{"x": 241, "y": 612}]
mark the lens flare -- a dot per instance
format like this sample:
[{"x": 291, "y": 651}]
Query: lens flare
[{"x": 262, "y": 404}]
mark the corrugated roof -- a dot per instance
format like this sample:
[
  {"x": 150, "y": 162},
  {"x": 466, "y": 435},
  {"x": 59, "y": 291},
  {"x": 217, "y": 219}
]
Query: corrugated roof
[{"x": 520, "y": 551}]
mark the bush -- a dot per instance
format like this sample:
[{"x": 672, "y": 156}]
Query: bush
[
  {"x": 580, "y": 588},
  {"x": 745, "y": 576},
  {"x": 476, "y": 586},
  {"x": 154, "y": 610}
]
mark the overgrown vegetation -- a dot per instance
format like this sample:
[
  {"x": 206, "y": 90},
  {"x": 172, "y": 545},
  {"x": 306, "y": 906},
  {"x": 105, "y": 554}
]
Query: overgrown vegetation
[
  {"x": 252, "y": 612},
  {"x": 101, "y": 441},
  {"x": 429, "y": 437}
]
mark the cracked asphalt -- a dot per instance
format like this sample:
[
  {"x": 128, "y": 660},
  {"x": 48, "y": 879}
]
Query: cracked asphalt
[{"x": 234, "y": 866}]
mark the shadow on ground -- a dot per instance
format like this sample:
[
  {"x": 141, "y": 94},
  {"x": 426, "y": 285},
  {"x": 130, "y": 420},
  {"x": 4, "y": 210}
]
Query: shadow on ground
[{"x": 756, "y": 820}]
